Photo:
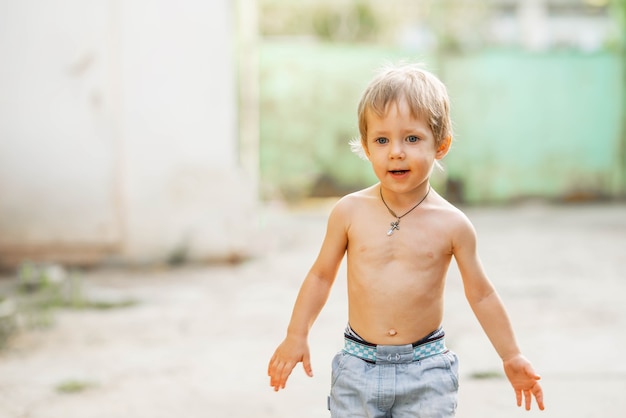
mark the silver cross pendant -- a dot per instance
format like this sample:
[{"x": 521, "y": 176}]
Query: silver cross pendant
[{"x": 394, "y": 225}]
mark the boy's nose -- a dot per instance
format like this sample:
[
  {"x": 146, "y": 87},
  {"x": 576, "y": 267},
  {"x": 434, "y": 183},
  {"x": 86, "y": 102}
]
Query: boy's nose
[{"x": 396, "y": 151}]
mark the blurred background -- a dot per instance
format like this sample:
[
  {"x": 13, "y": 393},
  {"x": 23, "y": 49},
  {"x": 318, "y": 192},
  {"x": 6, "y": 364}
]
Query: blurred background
[
  {"x": 536, "y": 89},
  {"x": 140, "y": 136},
  {"x": 141, "y": 132}
]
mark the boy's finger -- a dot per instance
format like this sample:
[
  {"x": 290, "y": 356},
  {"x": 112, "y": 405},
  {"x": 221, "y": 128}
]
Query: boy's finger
[
  {"x": 273, "y": 372},
  {"x": 518, "y": 397},
  {"x": 306, "y": 364},
  {"x": 271, "y": 366},
  {"x": 538, "y": 396},
  {"x": 284, "y": 374},
  {"x": 276, "y": 373},
  {"x": 528, "y": 399}
]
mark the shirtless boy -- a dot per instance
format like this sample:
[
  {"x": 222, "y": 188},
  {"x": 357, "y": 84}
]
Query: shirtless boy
[{"x": 399, "y": 236}]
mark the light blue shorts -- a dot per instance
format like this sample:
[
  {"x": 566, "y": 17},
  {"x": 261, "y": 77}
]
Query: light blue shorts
[{"x": 396, "y": 384}]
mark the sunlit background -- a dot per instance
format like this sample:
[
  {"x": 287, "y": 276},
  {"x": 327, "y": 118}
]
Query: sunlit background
[
  {"x": 161, "y": 160},
  {"x": 140, "y": 132},
  {"x": 536, "y": 90}
]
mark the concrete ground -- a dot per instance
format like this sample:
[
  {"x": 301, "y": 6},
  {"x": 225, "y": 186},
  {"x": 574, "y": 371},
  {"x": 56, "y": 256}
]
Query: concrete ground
[{"x": 197, "y": 342}]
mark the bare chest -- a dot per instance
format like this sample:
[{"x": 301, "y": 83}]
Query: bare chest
[{"x": 410, "y": 240}]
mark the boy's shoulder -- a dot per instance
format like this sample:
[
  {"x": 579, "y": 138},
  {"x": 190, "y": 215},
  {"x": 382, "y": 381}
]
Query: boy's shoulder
[
  {"x": 359, "y": 197},
  {"x": 356, "y": 202},
  {"x": 450, "y": 215},
  {"x": 446, "y": 205},
  {"x": 439, "y": 203}
]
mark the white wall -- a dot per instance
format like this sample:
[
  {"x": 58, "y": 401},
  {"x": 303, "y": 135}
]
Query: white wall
[{"x": 118, "y": 131}]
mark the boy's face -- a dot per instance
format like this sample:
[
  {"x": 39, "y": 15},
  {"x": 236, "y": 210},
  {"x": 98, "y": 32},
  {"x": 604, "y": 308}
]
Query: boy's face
[{"x": 401, "y": 148}]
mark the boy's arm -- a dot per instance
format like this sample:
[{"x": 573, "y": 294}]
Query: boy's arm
[
  {"x": 311, "y": 298},
  {"x": 492, "y": 315}
]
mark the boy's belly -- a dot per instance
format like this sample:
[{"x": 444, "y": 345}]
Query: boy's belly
[{"x": 394, "y": 323}]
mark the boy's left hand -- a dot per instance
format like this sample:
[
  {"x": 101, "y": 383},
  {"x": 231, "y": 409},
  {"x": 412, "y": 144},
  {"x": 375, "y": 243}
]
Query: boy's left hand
[{"x": 525, "y": 381}]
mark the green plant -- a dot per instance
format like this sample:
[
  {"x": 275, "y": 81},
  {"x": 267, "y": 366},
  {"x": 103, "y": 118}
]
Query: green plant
[
  {"x": 40, "y": 290},
  {"x": 7, "y": 319},
  {"x": 44, "y": 288},
  {"x": 488, "y": 374},
  {"x": 73, "y": 386},
  {"x": 357, "y": 23}
]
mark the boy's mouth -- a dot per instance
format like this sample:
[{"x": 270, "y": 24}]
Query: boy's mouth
[{"x": 398, "y": 172}]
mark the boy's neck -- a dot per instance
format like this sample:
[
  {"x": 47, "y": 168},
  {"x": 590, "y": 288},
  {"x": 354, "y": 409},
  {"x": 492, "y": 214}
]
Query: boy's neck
[{"x": 399, "y": 202}]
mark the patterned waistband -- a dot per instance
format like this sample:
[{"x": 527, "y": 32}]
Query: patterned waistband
[{"x": 377, "y": 353}]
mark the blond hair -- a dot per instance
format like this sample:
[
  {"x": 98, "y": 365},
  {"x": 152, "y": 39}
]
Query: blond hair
[{"x": 424, "y": 93}]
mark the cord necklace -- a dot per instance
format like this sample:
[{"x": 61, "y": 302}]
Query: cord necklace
[{"x": 396, "y": 224}]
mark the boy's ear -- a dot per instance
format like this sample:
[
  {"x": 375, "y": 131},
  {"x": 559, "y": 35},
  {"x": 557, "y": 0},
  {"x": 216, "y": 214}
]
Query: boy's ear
[
  {"x": 366, "y": 150},
  {"x": 443, "y": 148}
]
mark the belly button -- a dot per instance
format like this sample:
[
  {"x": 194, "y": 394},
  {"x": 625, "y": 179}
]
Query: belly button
[{"x": 392, "y": 332}]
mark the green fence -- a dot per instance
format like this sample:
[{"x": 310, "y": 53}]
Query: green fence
[
  {"x": 540, "y": 125},
  {"x": 545, "y": 125}
]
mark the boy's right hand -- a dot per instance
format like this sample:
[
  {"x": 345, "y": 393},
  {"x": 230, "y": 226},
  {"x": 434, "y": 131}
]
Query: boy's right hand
[{"x": 290, "y": 352}]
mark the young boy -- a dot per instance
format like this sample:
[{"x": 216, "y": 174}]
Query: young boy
[{"x": 399, "y": 236}]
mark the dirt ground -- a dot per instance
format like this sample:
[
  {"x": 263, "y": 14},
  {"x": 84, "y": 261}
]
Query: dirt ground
[{"x": 197, "y": 342}]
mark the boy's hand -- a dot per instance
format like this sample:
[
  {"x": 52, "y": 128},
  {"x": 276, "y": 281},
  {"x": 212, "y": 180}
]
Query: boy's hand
[
  {"x": 525, "y": 381},
  {"x": 289, "y": 353}
]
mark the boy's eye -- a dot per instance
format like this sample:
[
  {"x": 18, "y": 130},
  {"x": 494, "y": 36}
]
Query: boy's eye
[
  {"x": 381, "y": 140},
  {"x": 412, "y": 138}
]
